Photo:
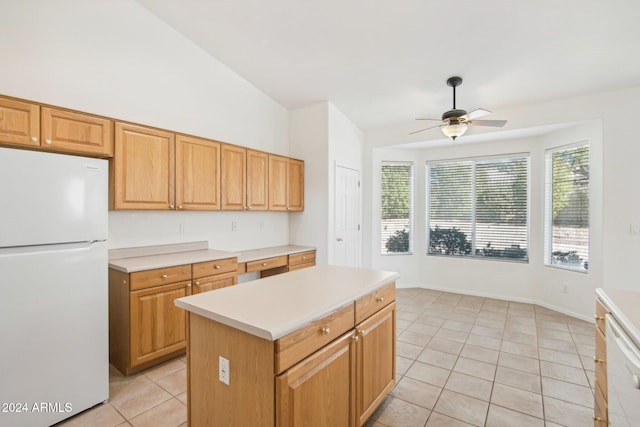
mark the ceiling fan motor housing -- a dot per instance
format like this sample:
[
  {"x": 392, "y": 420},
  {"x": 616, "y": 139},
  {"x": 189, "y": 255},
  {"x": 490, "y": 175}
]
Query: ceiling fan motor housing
[{"x": 453, "y": 114}]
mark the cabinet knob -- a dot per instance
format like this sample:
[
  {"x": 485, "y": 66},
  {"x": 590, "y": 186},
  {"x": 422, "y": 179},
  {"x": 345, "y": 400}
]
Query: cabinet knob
[
  {"x": 304, "y": 257},
  {"x": 380, "y": 299},
  {"x": 245, "y": 208},
  {"x": 325, "y": 330},
  {"x": 355, "y": 338},
  {"x": 264, "y": 264},
  {"x": 217, "y": 267},
  {"x": 189, "y": 285},
  {"x": 172, "y": 206},
  {"x": 599, "y": 317},
  {"x": 597, "y": 418},
  {"x": 198, "y": 283},
  {"x": 179, "y": 206},
  {"x": 595, "y": 359},
  {"x": 47, "y": 141},
  {"x": 362, "y": 332},
  {"x": 164, "y": 276},
  {"x": 34, "y": 139}
]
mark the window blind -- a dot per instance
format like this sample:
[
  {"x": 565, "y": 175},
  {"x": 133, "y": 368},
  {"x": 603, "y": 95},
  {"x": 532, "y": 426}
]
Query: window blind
[
  {"x": 396, "y": 190},
  {"x": 479, "y": 208},
  {"x": 567, "y": 207}
]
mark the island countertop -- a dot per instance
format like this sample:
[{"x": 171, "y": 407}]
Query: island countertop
[{"x": 274, "y": 306}]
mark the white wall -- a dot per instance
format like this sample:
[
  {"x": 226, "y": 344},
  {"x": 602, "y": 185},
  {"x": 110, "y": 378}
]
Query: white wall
[
  {"x": 610, "y": 130},
  {"x": 118, "y": 60}
]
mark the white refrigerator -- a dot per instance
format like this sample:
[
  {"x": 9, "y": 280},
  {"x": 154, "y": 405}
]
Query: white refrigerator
[{"x": 54, "y": 355}]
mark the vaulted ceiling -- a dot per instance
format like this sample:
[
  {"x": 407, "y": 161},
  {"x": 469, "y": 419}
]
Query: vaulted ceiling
[{"x": 384, "y": 63}]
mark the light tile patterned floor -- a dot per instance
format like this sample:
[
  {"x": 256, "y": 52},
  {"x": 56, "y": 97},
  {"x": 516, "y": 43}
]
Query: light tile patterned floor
[{"x": 461, "y": 361}]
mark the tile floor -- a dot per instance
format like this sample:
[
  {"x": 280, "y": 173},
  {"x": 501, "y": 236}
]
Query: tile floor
[{"x": 461, "y": 361}]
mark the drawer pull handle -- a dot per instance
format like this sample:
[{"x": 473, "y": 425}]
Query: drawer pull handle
[
  {"x": 325, "y": 330},
  {"x": 599, "y": 317},
  {"x": 380, "y": 299},
  {"x": 264, "y": 263},
  {"x": 164, "y": 276},
  {"x": 217, "y": 267},
  {"x": 597, "y": 418},
  {"x": 595, "y": 359}
]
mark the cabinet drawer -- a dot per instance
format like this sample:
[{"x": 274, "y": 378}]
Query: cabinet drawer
[
  {"x": 159, "y": 276},
  {"x": 299, "y": 344},
  {"x": 267, "y": 263},
  {"x": 371, "y": 303},
  {"x": 210, "y": 283},
  {"x": 600, "y": 316},
  {"x": 601, "y": 361},
  {"x": 210, "y": 268},
  {"x": 302, "y": 258}
]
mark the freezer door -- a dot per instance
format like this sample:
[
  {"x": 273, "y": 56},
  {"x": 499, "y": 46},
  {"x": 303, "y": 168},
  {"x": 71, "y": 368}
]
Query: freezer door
[
  {"x": 51, "y": 198},
  {"x": 54, "y": 356}
]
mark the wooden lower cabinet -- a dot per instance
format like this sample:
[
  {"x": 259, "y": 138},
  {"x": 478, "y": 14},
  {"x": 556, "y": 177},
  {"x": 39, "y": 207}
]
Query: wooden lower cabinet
[
  {"x": 376, "y": 361},
  {"x": 158, "y": 327},
  {"x": 210, "y": 283},
  {"x": 320, "y": 391},
  {"x": 600, "y": 413}
]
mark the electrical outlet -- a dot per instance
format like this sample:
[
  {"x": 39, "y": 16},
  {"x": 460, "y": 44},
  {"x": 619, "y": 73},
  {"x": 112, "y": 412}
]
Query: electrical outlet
[
  {"x": 234, "y": 226},
  {"x": 223, "y": 370},
  {"x": 565, "y": 288},
  {"x": 183, "y": 228}
]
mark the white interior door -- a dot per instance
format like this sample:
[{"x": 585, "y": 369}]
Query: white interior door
[{"x": 347, "y": 217}]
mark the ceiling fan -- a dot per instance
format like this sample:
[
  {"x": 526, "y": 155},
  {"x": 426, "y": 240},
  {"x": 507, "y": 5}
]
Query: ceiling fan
[{"x": 455, "y": 122}]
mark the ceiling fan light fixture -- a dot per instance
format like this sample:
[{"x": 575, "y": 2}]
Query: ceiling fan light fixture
[{"x": 454, "y": 130}]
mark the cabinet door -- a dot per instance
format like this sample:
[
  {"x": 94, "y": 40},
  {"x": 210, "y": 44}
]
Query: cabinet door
[
  {"x": 376, "y": 358},
  {"x": 19, "y": 122},
  {"x": 278, "y": 183},
  {"x": 143, "y": 168},
  {"x": 296, "y": 185},
  {"x": 68, "y": 131},
  {"x": 318, "y": 391},
  {"x": 197, "y": 174},
  {"x": 233, "y": 166},
  {"x": 158, "y": 327},
  {"x": 210, "y": 283},
  {"x": 257, "y": 180}
]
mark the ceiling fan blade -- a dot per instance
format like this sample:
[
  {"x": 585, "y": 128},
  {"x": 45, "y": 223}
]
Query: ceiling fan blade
[
  {"x": 476, "y": 114},
  {"x": 434, "y": 120},
  {"x": 494, "y": 123},
  {"x": 422, "y": 130}
]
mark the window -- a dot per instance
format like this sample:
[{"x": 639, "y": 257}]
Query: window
[
  {"x": 567, "y": 207},
  {"x": 479, "y": 208},
  {"x": 396, "y": 189}
]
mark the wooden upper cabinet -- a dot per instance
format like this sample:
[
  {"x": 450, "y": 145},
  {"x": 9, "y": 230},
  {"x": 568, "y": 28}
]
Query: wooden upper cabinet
[
  {"x": 257, "y": 180},
  {"x": 68, "y": 131},
  {"x": 296, "y": 185},
  {"x": 278, "y": 183},
  {"x": 286, "y": 184},
  {"x": 233, "y": 166},
  {"x": 197, "y": 173},
  {"x": 143, "y": 168},
  {"x": 19, "y": 122}
]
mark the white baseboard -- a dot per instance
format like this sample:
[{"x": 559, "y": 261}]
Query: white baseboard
[{"x": 499, "y": 297}]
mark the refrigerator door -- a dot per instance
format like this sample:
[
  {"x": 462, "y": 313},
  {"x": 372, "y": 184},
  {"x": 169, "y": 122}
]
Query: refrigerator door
[
  {"x": 51, "y": 198},
  {"x": 54, "y": 356}
]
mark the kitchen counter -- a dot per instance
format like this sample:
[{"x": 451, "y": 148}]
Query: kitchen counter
[
  {"x": 272, "y": 307},
  {"x": 625, "y": 308},
  {"x": 130, "y": 260}
]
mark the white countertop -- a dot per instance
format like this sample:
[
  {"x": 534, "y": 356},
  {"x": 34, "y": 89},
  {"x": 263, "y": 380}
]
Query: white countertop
[
  {"x": 130, "y": 260},
  {"x": 274, "y": 306},
  {"x": 150, "y": 262},
  {"x": 274, "y": 251},
  {"x": 624, "y": 306}
]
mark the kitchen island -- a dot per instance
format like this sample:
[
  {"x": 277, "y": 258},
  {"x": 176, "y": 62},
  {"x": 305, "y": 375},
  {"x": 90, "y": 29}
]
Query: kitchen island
[{"x": 309, "y": 347}]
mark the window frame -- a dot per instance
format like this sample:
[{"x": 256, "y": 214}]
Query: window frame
[
  {"x": 411, "y": 206},
  {"x": 548, "y": 208},
  {"x": 474, "y": 161}
]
